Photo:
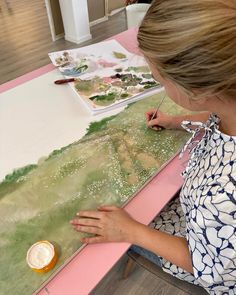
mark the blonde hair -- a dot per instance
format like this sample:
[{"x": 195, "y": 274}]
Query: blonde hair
[{"x": 192, "y": 43}]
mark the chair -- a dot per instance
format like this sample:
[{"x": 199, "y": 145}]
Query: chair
[{"x": 134, "y": 258}]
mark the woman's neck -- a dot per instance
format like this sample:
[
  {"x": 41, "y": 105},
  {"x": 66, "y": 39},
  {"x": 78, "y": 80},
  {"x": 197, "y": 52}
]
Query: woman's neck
[
  {"x": 225, "y": 109},
  {"x": 227, "y": 117},
  {"x": 228, "y": 126}
]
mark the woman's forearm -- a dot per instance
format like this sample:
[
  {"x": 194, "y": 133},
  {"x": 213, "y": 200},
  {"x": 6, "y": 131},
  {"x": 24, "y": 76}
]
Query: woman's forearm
[{"x": 172, "y": 248}]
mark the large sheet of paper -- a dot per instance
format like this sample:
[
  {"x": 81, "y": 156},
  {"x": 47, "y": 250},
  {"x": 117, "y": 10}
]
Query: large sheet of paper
[{"x": 107, "y": 166}]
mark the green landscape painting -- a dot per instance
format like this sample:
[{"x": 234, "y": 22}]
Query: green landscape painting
[{"x": 108, "y": 165}]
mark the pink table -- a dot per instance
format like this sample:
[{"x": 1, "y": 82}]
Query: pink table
[{"x": 92, "y": 263}]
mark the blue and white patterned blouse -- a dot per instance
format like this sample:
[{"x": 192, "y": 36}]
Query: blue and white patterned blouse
[{"x": 207, "y": 215}]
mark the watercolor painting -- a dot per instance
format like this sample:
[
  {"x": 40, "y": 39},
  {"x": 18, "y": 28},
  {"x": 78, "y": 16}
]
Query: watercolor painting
[
  {"x": 106, "y": 74},
  {"x": 107, "y": 166}
]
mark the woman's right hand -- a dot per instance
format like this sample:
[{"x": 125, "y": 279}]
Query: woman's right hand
[{"x": 160, "y": 121}]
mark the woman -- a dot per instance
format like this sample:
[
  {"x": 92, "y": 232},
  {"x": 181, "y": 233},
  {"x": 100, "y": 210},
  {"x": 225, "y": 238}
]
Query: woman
[{"x": 191, "y": 49}]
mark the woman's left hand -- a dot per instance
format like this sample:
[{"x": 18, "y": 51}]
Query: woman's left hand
[{"x": 108, "y": 224}]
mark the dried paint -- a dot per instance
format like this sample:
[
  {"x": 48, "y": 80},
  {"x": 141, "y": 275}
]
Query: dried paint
[
  {"x": 119, "y": 70},
  {"x": 119, "y": 55},
  {"x": 75, "y": 71},
  {"x": 141, "y": 69},
  {"x": 106, "y": 64},
  {"x": 64, "y": 59}
]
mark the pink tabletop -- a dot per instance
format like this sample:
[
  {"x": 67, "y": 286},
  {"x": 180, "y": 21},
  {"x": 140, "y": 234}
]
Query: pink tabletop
[{"x": 91, "y": 264}]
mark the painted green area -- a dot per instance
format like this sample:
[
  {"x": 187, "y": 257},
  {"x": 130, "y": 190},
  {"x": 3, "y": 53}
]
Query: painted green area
[
  {"x": 140, "y": 69},
  {"x": 99, "y": 125},
  {"x": 81, "y": 69},
  {"x": 147, "y": 86},
  {"x": 15, "y": 176},
  {"x": 84, "y": 85},
  {"x": 104, "y": 99},
  {"x": 147, "y": 76},
  {"x": 119, "y": 55},
  {"x": 107, "y": 166},
  {"x": 14, "y": 180},
  {"x": 124, "y": 95},
  {"x": 119, "y": 70},
  {"x": 90, "y": 86}
]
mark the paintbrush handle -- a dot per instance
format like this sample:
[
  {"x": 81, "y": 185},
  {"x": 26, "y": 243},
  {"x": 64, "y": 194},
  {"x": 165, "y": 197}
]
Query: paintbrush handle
[
  {"x": 154, "y": 115},
  {"x": 63, "y": 81},
  {"x": 157, "y": 109}
]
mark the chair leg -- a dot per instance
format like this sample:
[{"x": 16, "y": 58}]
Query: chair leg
[{"x": 129, "y": 267}]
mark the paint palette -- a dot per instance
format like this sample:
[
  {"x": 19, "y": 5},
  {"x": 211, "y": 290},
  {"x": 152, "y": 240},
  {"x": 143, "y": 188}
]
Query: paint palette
[{"x": 107, "y": 75}]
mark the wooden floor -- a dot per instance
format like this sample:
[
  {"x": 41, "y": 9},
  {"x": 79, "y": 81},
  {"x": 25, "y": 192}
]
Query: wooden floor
[
  {"x": 25, "y": 41},
  {"x": 140, "y": 282},
  {"x": 25, "y": 37}
]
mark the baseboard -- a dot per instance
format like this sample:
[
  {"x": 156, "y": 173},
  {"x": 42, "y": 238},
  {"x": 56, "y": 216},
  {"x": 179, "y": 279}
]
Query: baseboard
[
  {"x": 59, "y": 36},
  {"x": 79, "y": 40},
  {"x": 98, "y": 21},
  {"x": 116, "y": 11}
]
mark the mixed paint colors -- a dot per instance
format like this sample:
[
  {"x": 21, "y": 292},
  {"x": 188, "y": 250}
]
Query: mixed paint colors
[{"x": 106, "y": 75}]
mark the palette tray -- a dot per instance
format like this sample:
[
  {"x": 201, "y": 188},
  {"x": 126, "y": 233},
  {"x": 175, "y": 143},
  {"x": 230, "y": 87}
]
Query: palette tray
[{"x": 106, "y": 75}]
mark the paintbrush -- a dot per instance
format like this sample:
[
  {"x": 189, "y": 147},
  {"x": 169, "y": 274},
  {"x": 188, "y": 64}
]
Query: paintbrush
[
  {"x": 154, "y": 115},
  {"x": 63, "y": 81}
]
